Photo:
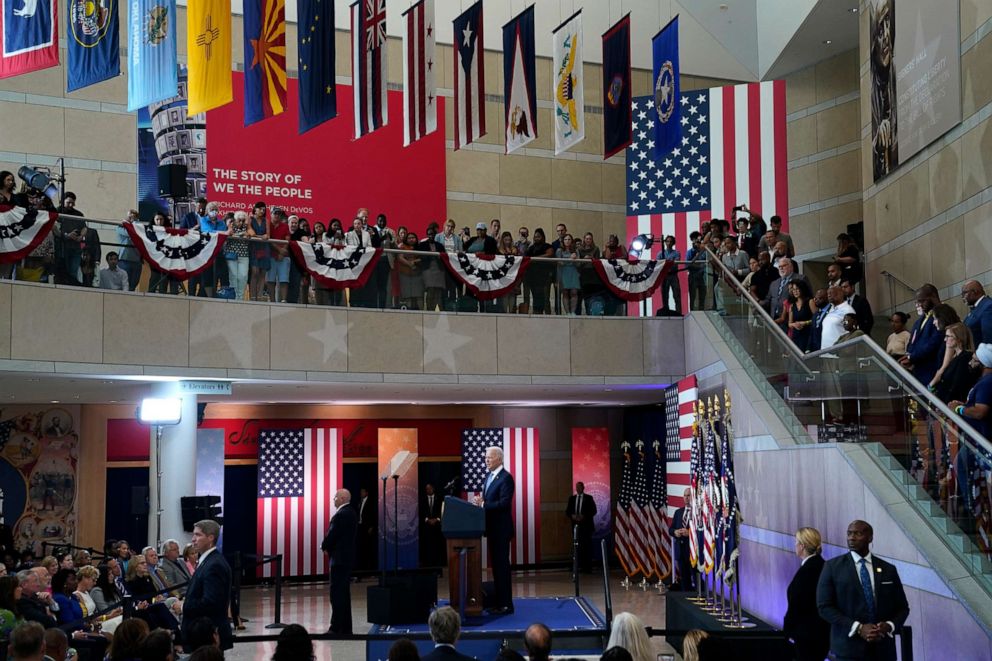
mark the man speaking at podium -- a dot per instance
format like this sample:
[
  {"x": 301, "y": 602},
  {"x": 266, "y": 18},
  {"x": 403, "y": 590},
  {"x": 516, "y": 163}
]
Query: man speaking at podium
[{"x": 497, "y": 500}]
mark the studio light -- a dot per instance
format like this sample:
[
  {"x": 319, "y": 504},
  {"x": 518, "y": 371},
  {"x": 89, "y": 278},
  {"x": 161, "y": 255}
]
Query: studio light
[
  {"x": 39, "y": 181},
  {"x": 160, "y": 411},
  {"x": 640, "y": 243}
]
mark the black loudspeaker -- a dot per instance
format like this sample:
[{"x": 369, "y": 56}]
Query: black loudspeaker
[
  {"x": 139, "y": 501},
  {"x": 172, "y": 180},
  {"x": 405, "y": 599},
  {"x": 197, "y": 508}
]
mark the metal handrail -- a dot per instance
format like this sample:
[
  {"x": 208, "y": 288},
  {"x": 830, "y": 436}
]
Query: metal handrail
[{"x": 902, "y": 282}]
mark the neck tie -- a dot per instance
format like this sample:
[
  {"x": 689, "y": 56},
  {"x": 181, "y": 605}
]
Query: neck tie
[
  {"x": 578, "y": 505},
  {"x": 430, "y": 503},
  {"x": 781, "y": 286},
  {"x": 866, "y": 587},
  {"x": 489, "y": 480}
]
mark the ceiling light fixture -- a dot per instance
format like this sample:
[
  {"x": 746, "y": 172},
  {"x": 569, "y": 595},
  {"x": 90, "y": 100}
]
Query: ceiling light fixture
[
  {"x": 827, "y": 42},
  {"x": 853, "y": 10}
]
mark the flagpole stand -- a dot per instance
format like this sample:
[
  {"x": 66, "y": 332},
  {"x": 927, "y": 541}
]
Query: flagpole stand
[
  {"x": 660, "y": 586},
  {"x": 698, "y": 599},
  {"x": 644, "y": 584},
  {"x": 625, "y": 583}
]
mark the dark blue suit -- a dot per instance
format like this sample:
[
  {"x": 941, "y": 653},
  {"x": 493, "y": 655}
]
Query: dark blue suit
[
  {"x": 339, "y": 545},
  {"x": 809, "y": 632},
  {"x": 925, "y": 349},
  {"x": 979, "y": 321},
  {"x": 209, "y": 595},
  {"x": 498, "y": 503},
  {"x": 841, "y": 602}
]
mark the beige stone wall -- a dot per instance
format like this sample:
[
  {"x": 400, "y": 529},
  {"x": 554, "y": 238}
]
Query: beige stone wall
[
  {"x": 824, "y": 163},
  {"x": 931, "y": 220}
]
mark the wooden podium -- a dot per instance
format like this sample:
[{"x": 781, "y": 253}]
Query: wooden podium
[{"x": 463, "y": 525}]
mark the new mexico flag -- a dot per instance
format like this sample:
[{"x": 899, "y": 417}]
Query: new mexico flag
[{"x": 208, "y": 42}]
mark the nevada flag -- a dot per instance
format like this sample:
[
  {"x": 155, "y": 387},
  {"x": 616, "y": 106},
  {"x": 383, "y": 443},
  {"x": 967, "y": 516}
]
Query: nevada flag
[{"x": 29, "y": 31}]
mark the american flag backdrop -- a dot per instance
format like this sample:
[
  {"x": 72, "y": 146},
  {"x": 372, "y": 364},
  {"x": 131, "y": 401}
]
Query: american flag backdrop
[
  {"x": 298, "y": 472},
  {"x": 680, "y": 405},
  {"x": 733, "y": 151},
  {"x": 521, "y": 457}
]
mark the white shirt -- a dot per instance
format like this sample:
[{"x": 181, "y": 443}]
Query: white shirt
[
  {"x": 833, "y": 324},
  {"x": 488, "y": 483},
  {"x": 205, "y": 554}
]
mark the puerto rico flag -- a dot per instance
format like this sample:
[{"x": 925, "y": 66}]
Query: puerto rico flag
[
  {"x": 368, "y": 65},
  {"x": 519, "y": 87},
  {"x": 470, "y": 84},
  {"x": 419, "y": 93},
  {"x": 29, "y": 30}
]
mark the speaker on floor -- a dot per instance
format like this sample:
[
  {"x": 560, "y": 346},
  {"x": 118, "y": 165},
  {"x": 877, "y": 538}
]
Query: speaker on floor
[
  {"x": 172, "y": 180},
  {"x": 404, "y": 599}
]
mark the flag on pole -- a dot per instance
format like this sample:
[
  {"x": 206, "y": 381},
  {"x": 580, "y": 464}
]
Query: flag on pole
[
  {"x": 419, "y": 92},
  {"x": 470, "y": 88},
  {"x": 568, "y": 92},
  {"x": 30, "y": 36},
  {"x": 616, "y": 88},
  {"x": 208, "y": 44},
  {"x": 693, "y": 511},
  {"x": 368, "y": 65},
  {"x": 265, "y": 59},
  {"x": 315, "y": 40},
  {"x": 92, "y": 41},
  {"x": 711, "y": 499},
  {"x": 667, "y": 89},
  {"x": 659, "y": 510},
  {"x": 151, "y": 64},
  {"x": 730, "y": 514},
  {"x": 643, "y": 535},
  {"x": 622, "y": 541},
  {"x": 519, "y": 84},
  {"x": 299, "y": 470}
]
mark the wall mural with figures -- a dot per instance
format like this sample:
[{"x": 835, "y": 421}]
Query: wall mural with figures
[{"x": 39, "y": 455}]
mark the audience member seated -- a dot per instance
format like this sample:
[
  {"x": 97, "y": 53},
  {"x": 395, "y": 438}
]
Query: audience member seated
[
  {"x": 155, "y": 573},
  {"x": 507, "y": 654},
  {"x": 402, "y": 650},
  {"x": 10, "y": 592},
  {"x": 896, "y": 343},
  {"x": 957, "y": 375},
  {"x": 616, "y": 654},
  {"x": 445, "y": 626},
  {"x": 34, "y": 605},
  {"x": 628, "y": 632},
  {"x": 81, "y": 558},
  {"x": 70, "y": 611},
  {"x": 206, "y": 654},
  {"x": 127, "y": 640},
  {"x": 190, "y": 556},
  {"x": 201, "y": 632},
  {"x": 113, "y": 277},
  {"x": 690, "y": 644},
  {"x": 56, "y": 644},
  {"x": 537, "y": 640},
  {"x": 293, "y": 643},
  {"x": 87, "y": 578},
  {"x": 157, "y": 646},
  {"x": 27, "y": 642},
  {"x": 173, "y": 567},
  {"x": 106, "y": 592}
]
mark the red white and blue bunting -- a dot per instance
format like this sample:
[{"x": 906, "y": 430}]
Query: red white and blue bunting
[
  {"x": 487, "y": 277},
  {"x": 336, "y": 267},
  {"x": 632, "y": 281},
  {"x": 21, "y": 231},
  {"x": 180, "y": 253}
]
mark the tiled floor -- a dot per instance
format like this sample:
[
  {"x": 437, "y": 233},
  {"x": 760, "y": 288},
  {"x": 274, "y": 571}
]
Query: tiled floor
[{"x": 309, "y": 605}]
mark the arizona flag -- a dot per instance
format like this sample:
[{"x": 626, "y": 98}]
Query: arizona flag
[
  {"x": 208, "y": 43},
  {"x": 519, "y": 87},
  {"x": 419, "y": 93},
  {"x": 265, "y": 59},
  {"x": 368, "y": 65},
  {"x": 29, "y": 30},
  {"x": 470, "y": 83}
]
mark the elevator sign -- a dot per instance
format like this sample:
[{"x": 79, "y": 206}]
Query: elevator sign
[{"x": 205, "y": 387}]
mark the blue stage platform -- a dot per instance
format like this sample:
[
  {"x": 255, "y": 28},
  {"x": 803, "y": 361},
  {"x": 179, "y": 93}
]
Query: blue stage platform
[{"x": 482, "y": 637}]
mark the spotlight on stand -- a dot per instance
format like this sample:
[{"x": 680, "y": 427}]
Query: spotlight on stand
[
  {"x": 640, "y": 243},
  {"x": 155, "y": 411},
  {"x": 40, "y": 181}
]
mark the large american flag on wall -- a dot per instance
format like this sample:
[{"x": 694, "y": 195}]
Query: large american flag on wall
[
  {"x": 680, "y": 405},
  {"x": 522, "y": 458},
  {"x": 733, "y": 151},
  {"x": 298, "y": 472}
]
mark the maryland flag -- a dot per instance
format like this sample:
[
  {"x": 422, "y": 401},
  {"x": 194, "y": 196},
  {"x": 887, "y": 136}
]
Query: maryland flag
[
  {"x": 265, "y": 59},
  {"x": 208, "y": 44}
]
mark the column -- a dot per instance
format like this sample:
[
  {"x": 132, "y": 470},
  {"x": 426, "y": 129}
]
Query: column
[{"x": 178, "y": 479}]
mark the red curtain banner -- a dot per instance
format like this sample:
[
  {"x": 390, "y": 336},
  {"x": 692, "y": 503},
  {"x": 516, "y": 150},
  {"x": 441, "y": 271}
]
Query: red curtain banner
[{"x": 591, "y": 466}]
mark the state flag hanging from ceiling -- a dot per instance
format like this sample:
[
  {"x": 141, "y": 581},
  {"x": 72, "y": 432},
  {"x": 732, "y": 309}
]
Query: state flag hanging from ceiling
[
  {"x": 368, "y": 51},
  {"x": 152, "y": 72},
  {"x": 616, "y": 87},
  {"x": 667, "y": 111},
  {"x": 470, "y": 83},
  {"x": 419, "y": 92},
  {"x": 29, "y": 30},
  {"x": 315, "y": 39},
  {"x": 208, "y": 44},
  {"x": 265, "y": 59},
  {"x": 568, "y": 92},
  {"x": 519, "y": 87},
  {"x": 92, "y": 42}
]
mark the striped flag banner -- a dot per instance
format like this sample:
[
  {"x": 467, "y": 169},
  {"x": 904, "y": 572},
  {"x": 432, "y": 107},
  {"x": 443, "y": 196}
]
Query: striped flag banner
[
  {"x": 622, "y": 542},
  {"x": 680, "y": 407},
  {"x": 299, "y": 470},
  {"x": 469, "y": 76},
  {"x": 369, "y": 69},
  {"x": 419, "y": 93},
  {"x": 734, "y": 151}
]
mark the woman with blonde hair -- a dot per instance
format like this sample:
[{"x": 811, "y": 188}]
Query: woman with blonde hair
[
  {"x": 690, "y": 644},
  {"x": 810, "y": 634},
  {"x": 628, "y": 632}
]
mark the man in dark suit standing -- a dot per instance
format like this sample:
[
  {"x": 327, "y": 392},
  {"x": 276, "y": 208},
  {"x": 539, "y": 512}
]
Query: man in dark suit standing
[
  {"x": 339, "y": 546},
  {"x": 366, "y": 540},
  {"x": 497, "y": 500},
  {"x": 862, "y": 308},
  {"x": 581, "y": 511},
  {"x": 862, "y": 598},
  {"x": 679, "y": 530},
  {"x": 925, "y": 351},
  {"x": 979, "y": 319},
  {"x": 431, "y": 539},
  {"x": 209, "y": 591}
]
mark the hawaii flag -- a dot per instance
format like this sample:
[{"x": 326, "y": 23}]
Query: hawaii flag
[
  {"x": 368, "y": 65},
  {"x": 470, "y": 84},
  {"x": 265, "y": 59},
  {"x": 568, "y": 95},
  {"x": 30, "y": 35},
  {"x": 519, "y": 88},
  {"x": 419, "y": 93},
  {"x": 151, "y": 65},
  {"x": 208, "y": 43}
]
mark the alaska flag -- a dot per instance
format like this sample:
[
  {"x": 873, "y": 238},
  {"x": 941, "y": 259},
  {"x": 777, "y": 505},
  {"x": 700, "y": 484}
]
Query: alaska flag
[
  {"x": 29, "y": 37},
  {"x": 616, "y": 88},
  {"x": 93, "y": 42},
  {"x": 151, "y": 65},
  {"x": 667, "y": 90},
  {"x": 519, "y": 84},
  {"x": 265, "y": 59},
  {"x": 318, "y": 91}
]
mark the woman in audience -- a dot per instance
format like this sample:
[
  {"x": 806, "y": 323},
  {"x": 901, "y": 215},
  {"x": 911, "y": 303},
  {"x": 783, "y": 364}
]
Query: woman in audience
[
  {"x": 294, "y": 644},
  {"x": 628, "y": 632},
  {"x": 404, "y": 649},
  {"x": 433, "y": 270},
  {"x": 70, "y": 609},
  {"x": 159, "y": 282},
  {"x": 318, "y": 232},
  {"x": 849, "y": 257},
  {"x": 81, "y": 558},
  {"x": 508, "y": 303},
  {"x": 51, "y": 565},
  {"x": 190, "y": 556},
  {"x": 237, "y": 250},
  {"x": 800, "y": 313},
  {"x": 66, "y": 561},
  {"x": 157, "y": 646},
  {"x": 7, "y": 185},
  {"x": 126, "y": 643},
  {"x": 592, "y": 286},
  {"x": 122, "y": 551},
  {"x": 394, "y": 275},
  {"x": 568, "y": 275},
  {"x": 538, "y": 276},
  {"x": 105, "y": 593},
  {"x": 10, "y": 592},
  {"x": 955, "y": 378},
  {"x": 690, "y": 644},
  {"x": 409, "y": 267},
  {"x": 88, "y": 577},
  {"x": 259, "y": 257},
  {"x": 615, "y": 306},
  {"x": 138, "y": 580},
  {"x": 809, "y": 633},
  {"x": 899, "y": 338},
  {"x": 450, "y": 241}
]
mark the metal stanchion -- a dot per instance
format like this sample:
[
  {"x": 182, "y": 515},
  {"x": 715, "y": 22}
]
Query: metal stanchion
[
  {"x": 277, "y": 624},
  {"x": 575, "y": 558}
]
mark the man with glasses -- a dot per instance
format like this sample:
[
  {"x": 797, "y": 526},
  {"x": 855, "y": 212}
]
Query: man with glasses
[{"x": 979, "y": 319}]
